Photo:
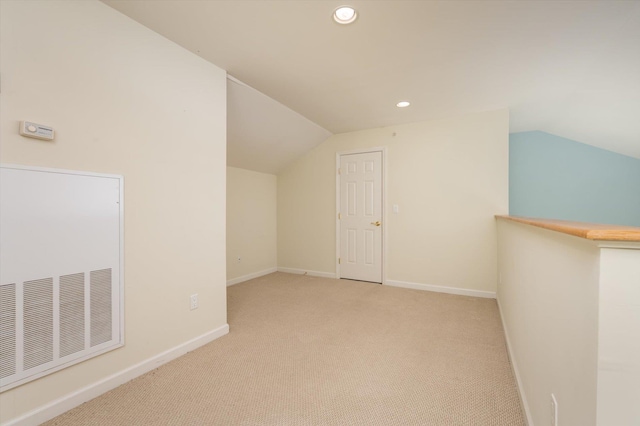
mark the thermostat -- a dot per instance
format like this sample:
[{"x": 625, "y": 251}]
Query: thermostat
[{"x": 38, "y": 131}]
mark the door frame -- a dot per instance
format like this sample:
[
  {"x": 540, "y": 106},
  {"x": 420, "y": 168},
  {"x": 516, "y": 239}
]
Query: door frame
[{"x": 383, "y": 150}]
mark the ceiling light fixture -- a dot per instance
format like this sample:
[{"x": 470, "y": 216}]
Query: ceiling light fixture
[
  {"x": 403, "y": 104},
  {"x": 345, "y": 15}
]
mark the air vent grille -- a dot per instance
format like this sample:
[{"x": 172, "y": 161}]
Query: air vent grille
[
  {"x": 7, "y": 330},
  {"x": 61, "y": 320},
  {"x": 38, "y": 322},
  {"x": 100, "y": 306},
  {"x": 71, "y": 314}
]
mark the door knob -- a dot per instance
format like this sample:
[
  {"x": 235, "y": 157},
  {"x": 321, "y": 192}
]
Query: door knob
[{"x": 376, "y": 223}]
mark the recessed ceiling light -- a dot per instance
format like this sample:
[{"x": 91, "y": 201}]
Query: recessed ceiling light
[
  {"x": 403, "y": 104},
  {"x": 345, "y": 15}
]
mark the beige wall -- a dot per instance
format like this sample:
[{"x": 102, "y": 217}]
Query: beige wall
[
  {"x": 124, "y": 100},
  {"x": 548, "y": 298},
  {"x": 449, "y": 178},
  {"x": 251, "y": 223}
]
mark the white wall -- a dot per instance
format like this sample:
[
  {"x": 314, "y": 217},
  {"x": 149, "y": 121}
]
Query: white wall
[
  {"x": 251, "y": 224},
  {"x": 449, "y": 178},
  {"x": 548, "y": 297},
  {"x": 124, "y": 100}
]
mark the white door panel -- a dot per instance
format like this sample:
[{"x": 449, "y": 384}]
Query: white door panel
[{"x": 361, "y": 216}]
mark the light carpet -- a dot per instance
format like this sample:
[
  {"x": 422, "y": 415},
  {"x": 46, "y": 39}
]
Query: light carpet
[{"x": 315, "y": 351}]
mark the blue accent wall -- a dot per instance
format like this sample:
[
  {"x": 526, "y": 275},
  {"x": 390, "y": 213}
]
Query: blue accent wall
[{"x": 557, "y": 178}]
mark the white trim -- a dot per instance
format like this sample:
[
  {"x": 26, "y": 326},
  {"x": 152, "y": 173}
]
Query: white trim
[
  {"x": 383, "y": 150},
  {"x": 61, "y": 171},
  {"x": 251, "y": 276},
  {"x": 67, "y": 364},
  {"x": 122, "y": 287},
  {"x": 362, "y": 150},
  {"x": 72, "y": 400},
  {"x": 336, "y": 215},
  {"x": 443, "y": 289},
  {"x": 306, "y": 272},
  {"x": 516, "y": 372},
  {"x": 632, "y": 245},
  {"x": 385, "y": 216}
]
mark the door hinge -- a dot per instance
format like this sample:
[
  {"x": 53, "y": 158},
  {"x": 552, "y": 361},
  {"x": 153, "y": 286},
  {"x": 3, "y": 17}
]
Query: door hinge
[
  {"x": 339, "y": 216},
  {"x": 339, "y": 261},
  {"x": 339, "y": 170}
]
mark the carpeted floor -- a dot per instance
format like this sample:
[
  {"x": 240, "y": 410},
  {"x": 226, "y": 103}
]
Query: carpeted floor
[{"x": 315, "y": 351}]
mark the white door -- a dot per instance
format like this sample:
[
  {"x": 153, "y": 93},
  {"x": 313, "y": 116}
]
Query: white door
[{"x": 361, "y": 216}]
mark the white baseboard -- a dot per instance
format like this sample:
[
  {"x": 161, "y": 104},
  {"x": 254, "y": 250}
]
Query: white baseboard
[
  {"x": 72, "y": 400},
  {"x": 305, "y": 272},
  {"x": 251, "y": 276},
  {"x": 442, "y": 289},
  {"x": 516, "y": 372}
]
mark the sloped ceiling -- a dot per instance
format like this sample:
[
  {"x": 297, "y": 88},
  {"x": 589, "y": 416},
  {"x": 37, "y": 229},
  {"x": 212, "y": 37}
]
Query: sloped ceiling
[
  {"x": 571, "y": 68},
  {"x": 264, "y": 135}
]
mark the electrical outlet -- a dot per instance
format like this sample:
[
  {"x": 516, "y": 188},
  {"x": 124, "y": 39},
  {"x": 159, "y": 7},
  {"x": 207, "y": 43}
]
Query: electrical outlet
[
  {"x": 554, "y": 411},
  {"x": 194, "y": 301}
]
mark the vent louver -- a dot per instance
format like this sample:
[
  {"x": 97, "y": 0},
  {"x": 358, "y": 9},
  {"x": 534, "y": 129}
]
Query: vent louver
[
  {"x": 71, "y": 314},
  {"x": 100, "y": 306},
  {"x": 38, "y": 322},
  {"x": 7, "y": 330}
]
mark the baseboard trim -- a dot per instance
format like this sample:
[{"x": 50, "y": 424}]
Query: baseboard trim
[
  {"x": 306, "y": 272},
  {"x": 442, "y": 289},
  {"x": 251, "y": 276},
  {"x": 516, "y": 372},
  {"x": 72, "y": 400}
]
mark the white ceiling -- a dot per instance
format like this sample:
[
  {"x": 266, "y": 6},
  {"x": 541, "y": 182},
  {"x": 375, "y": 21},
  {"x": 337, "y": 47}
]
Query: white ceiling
[{"x": 571, "y": 68}]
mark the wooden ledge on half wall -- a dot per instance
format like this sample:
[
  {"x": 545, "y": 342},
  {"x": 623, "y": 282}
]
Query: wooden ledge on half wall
[{"x": 590, "y": 231}]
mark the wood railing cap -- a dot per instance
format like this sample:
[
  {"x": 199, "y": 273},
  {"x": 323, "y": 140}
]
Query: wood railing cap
[{"x": 590, "y": 231}]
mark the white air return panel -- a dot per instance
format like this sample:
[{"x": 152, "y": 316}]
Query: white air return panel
[{"x": 61, "y": 276}]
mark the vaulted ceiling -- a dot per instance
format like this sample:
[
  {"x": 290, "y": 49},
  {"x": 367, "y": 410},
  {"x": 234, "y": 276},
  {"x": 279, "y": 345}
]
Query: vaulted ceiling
[{"x": 571, "y": 68}]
